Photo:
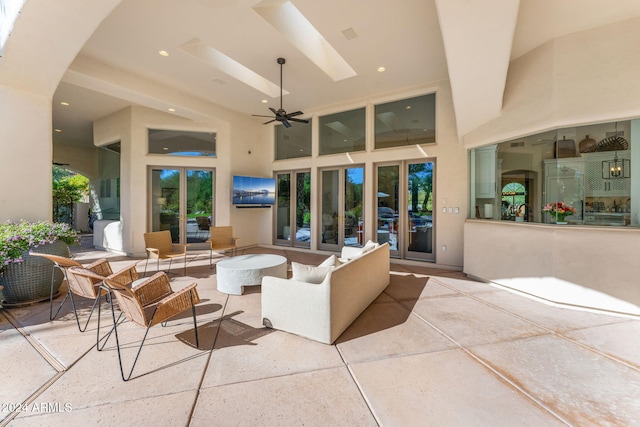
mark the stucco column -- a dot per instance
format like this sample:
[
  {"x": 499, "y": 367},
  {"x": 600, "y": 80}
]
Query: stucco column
[{"x": 25, "y": 156}]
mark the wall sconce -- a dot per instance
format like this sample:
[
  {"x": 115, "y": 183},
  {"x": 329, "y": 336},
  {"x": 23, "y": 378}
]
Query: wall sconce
[{"x": 616, "y": 168}]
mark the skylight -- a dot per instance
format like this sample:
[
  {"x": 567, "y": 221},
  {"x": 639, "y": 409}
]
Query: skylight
[
  {"x": 291, "y": 23},
  {"x": 211, "y": 56},
  {"x": 9, "y": 11}
]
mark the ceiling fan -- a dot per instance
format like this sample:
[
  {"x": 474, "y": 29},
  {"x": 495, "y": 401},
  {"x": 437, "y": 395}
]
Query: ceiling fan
[{"x": 280, "y": 114}]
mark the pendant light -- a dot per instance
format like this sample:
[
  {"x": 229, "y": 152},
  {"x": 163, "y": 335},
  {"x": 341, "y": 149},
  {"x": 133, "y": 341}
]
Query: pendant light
[{"x": 616, "y": 168}]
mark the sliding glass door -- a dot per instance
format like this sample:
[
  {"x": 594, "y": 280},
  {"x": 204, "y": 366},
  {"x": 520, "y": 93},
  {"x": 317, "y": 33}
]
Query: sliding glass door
[
  {"x": 405, "y": 208},
  {"x": 342, "y": 207},
  {"x": 182, "y": 202},
  {"x": 419, "y": 193},
  {"x": 293, "y": 208},
  {"x": 389, "y": 206}
]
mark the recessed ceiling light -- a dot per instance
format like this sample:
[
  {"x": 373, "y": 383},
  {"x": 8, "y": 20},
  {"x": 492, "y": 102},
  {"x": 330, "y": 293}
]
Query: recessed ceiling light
[
  {"x": 165, "y": 148},
  {"x": 408, "y": 107},
  {"x": 264, "y": 101},
  {"x": 381, "y": 69},
  {"x": 171, "y": 109},
  {"x": 64, "y": 103},
  {"x": 58, "y": 130},
  {"x": 163, "y": 53}
]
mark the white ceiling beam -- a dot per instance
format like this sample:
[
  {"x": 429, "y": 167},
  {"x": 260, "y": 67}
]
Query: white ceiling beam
[
  {"x": 477, "y": 37},
  {"x": 90, "y": 74}
]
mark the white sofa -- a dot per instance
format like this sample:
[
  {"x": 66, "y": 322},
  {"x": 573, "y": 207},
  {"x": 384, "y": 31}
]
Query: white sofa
[{"x": 322, "y": 311}]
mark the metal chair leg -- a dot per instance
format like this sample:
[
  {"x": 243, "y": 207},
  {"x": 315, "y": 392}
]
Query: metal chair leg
[
  {"x": 115, "y": 328},
  {"x": 109, "y": 297},
  {"x": 68, "y": 296},
  {"x": 53, "y": 270},
  {"x": 75, "y": 311},
  {"x": 195, "y": 323}
]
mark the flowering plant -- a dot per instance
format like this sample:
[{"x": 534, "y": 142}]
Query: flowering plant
[
  {"x": 16, "y": 238},
  {"x": 559, "y": 210}
]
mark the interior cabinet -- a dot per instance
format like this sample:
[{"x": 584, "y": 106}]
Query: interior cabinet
[
  {"x": 595, "y": 185},
  {"x": 485, "y": 160},
  {"x": 564, "y": 182}
]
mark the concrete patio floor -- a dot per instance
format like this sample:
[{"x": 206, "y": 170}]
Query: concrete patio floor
[{"x": 435, "y": 349}]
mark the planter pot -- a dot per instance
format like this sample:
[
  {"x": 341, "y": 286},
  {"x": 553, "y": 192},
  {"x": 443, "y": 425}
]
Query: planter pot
[{"x": 29, "y": 282}]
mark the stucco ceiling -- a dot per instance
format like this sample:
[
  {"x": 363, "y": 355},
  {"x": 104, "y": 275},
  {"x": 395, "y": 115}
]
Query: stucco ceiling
[{"x": 403, "y": 36}]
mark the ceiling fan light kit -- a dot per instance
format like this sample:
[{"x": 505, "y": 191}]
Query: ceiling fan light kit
[{"x": 280, "y": 114}]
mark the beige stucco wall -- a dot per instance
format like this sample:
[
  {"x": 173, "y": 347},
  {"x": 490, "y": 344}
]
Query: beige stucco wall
[
  {"x": 601, "y": 258},
  {"x": 583, "y": 78}
]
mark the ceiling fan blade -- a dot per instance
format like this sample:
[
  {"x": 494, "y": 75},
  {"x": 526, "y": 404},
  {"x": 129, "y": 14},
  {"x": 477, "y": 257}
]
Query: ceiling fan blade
[{"x": 281, "y": 115}]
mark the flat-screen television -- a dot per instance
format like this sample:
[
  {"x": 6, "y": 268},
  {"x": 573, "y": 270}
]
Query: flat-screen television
[{"x": 250, "y": 190}]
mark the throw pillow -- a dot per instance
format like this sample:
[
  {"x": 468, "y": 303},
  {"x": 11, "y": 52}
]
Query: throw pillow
[
  {"x": 332, "y": 261},
  {"x": 351, "y": 252},
  {"x": 309, "y": 273},
  {"x": 369, "y": 246}
]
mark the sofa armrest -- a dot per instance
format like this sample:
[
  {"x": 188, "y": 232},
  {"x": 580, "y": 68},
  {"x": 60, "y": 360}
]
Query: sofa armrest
[{"x": 297, "y": 307}]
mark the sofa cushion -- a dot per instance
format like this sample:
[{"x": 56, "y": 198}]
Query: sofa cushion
[
  {"x": 351, "y": 252},
  {"x": 309, "y": 273},
  {"x": 332, "y": 261}
]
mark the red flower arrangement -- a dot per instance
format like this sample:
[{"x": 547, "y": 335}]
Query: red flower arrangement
[{"x": 559, "y": 210}]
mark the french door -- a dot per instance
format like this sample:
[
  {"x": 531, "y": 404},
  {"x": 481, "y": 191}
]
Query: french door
[
  {"x": 181, "y": 201},
  {"x": 293, "y": 209},
  {"x": 341, "y": 205},
  {"x": 406, "y": 206}
]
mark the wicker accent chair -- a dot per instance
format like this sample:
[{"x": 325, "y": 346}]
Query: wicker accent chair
[
  {"x": 85, "y": 288},
  {"x": 222, "y": 240},
  {"x": 148, "y": 303},
  {"x": 159, "y": 246}
]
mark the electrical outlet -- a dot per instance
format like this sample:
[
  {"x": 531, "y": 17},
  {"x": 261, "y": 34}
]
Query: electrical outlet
[
  {"x": 450, "y": 210},
  {"x": 456, "y": 210},
  {"x": 444, "y": 210},
  {"x": 444, "y": 248}
]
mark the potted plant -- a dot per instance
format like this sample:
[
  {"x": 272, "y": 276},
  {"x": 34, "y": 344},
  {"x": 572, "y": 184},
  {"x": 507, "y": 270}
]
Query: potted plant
[
  {"x": 559, "y": 211},
  {"x": 27, "y": 279}
]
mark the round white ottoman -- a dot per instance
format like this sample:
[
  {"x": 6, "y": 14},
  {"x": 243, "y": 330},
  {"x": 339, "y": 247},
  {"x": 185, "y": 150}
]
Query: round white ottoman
[{"x": 237, "y": 272}]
